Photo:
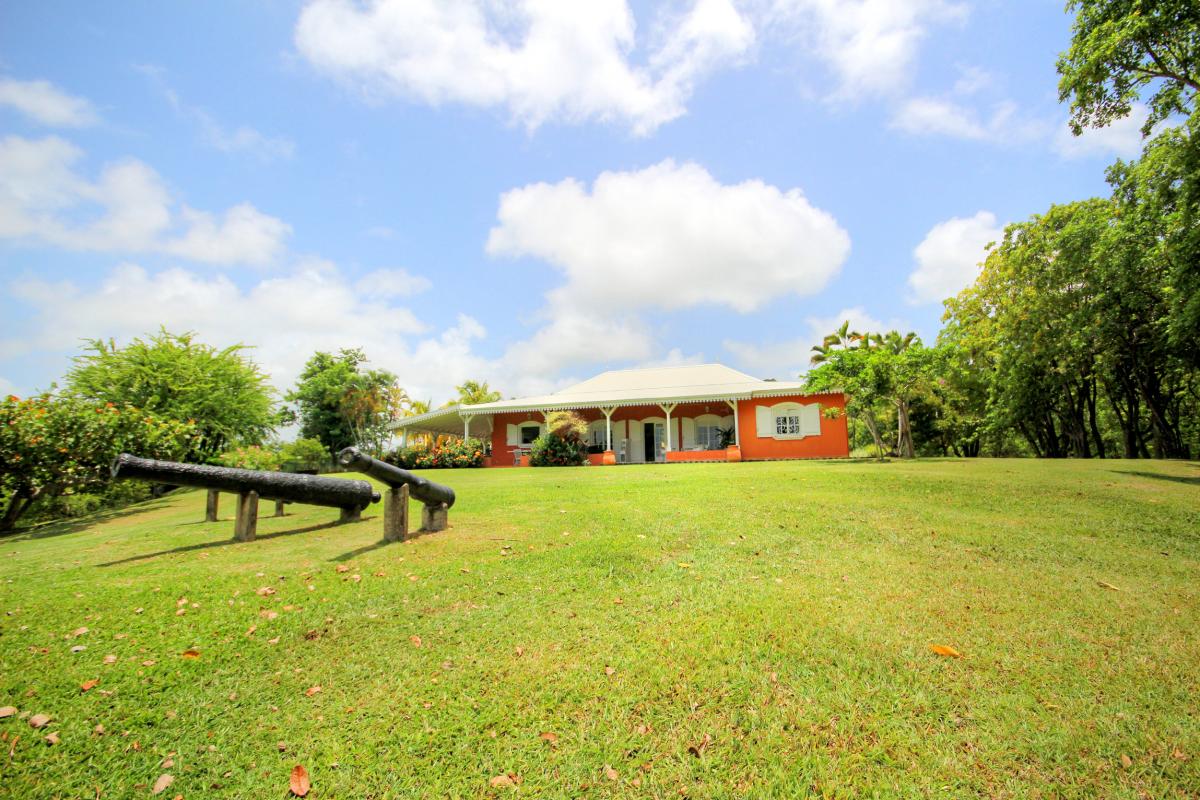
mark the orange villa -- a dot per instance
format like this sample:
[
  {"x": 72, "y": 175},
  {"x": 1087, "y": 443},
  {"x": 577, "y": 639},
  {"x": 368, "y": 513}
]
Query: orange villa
[{"x": 693, "y": 413}]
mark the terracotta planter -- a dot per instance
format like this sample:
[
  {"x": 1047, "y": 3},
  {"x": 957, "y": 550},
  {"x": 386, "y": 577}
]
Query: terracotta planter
[
  {"x": 733, "y": 453},
  {"x": 608, "y": 457},
  {"x": 487, "y": 461}
]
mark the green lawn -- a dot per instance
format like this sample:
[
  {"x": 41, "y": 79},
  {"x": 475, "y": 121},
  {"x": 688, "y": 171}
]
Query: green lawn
[{"x": 747, "y": 630}]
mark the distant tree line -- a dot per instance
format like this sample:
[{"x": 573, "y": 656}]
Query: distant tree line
[{"x": 1081, "y": 336}]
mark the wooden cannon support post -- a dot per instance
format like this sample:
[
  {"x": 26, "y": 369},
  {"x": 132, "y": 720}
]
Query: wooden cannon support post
[
  {"x": 279, "y": 508},
  {"x": 395, "y": 514},
  {"x": 246, "y": 526},
  {"x": 210, "y": 505}
]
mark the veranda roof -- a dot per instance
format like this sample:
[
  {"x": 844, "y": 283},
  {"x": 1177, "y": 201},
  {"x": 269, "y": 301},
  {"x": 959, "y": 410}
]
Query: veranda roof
[{"x": 614, "y": 389}]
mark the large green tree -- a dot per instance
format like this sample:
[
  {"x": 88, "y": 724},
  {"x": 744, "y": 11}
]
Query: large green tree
[
  {"x": 1122, "y": 50},
  {"x": 174, "y": 376},
  {"x": 342, "y": 403}
]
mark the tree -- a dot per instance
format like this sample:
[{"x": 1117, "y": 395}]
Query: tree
[
  {"x": 51, "y": 446},
  {"x": 471, "y": 393},
  {"x": 173, "y": 376},
  {"x": 1120, "y": 48},
  {"x": 852, "y": 371},
  {"x": 341, "y": 403},
  {"x": 564, "y": 444}
]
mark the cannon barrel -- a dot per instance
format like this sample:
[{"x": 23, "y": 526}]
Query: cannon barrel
[
  {"x": 286, "y": 486},
  {"x": 428, "y": 492}
]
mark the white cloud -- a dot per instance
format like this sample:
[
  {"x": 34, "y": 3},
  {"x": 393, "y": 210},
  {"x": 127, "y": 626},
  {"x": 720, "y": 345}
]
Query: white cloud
[
  {"x": 540, "y": 60},
  {"x": 575, "y": 338},
  {"x": 45, "y": 103},
  {"x": 870, "y": 45},
  {"x": 787, "y": 358},
  {"x": 1122, "y": 137},
  {"x": 285, "y": 319},
  {"x": 8, "y": 388},
  {"x": 127, "y": 208},
  {"x": 941, "y": 117},
  {"x": 670, "y": 236},
  {"x": 949, "y": 256},
  {"x": 388, "y": 283}
]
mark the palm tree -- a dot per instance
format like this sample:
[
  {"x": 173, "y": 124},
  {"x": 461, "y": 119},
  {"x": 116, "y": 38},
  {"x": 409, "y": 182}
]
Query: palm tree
[{"x": 843, "y": 337}]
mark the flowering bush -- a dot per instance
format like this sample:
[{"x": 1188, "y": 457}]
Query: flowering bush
[
  {"x": 564, "y": 445},
  {"x": 250, "y": 457},
  {"x": 451, "y": 454},
  {"x": 52, "y": 446}
]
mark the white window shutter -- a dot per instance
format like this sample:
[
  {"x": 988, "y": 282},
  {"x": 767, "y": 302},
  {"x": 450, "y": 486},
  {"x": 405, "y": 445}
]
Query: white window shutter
[
  {"x": 764, "y": 422},
  {"x": 810, "y": 420},
  {"x": 514, "y": 434}
]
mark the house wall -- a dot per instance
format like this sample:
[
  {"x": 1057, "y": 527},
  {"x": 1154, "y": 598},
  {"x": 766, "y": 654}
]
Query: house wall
[{"x": 833, "y": 441}]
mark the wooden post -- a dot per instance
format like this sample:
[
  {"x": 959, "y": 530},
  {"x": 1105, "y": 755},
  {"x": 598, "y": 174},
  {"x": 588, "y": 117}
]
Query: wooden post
[
  {"x": 210, "y": 505},
  {"x": 246, "y": 526},
  {"x": 350, "y": 514},
  {"x": 434, "y": 518},
  {"x": 279, "y": 508},
  {"x": 395, "y": 514}
]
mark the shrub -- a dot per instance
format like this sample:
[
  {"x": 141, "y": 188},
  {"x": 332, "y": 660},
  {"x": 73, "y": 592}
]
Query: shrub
[
  {"x": 303, "y": 455},
  {"x": 250, "y": 457},
  {"x": 564, "y": 445},
  {"x": 454, "y": 454}
]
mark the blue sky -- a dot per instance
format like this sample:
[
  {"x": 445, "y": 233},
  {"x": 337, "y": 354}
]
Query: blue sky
[{"x": 526, "y": 193}]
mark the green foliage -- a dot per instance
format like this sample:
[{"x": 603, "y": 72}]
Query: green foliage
[
  {"x": 341, "y": 403},
  {"x": 452, "y": 454},
  {"x": 251, "y": 456},
  {"x": 472, "y": 393},
  {"x": 173, "y": 376},
  {"x": 303, "y": 455},
  {"x": 564, "y": 444},
  {"x": 54, "y": 446},
  {"x": 1120, "y": 49}
]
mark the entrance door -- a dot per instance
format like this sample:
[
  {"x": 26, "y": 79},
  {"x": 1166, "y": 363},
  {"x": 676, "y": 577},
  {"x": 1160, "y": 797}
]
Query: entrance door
[{"x": 653, "y": 435}]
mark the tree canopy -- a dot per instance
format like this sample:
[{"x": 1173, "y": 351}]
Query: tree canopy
[
  {"x": 174, "y": 376},
  {"x": 342, "y": 403}
]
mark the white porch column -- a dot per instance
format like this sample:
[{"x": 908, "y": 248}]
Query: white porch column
[
  {"x": 607, "y": 412},
  {"x": 466, "y": 428},
  {"x": 404, "y": 437},
  {"x": 667, "y": 409},
  {"x": 737, "y": 433}
]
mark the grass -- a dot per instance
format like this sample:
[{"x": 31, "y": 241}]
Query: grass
[{"x": 752, "y": 630}]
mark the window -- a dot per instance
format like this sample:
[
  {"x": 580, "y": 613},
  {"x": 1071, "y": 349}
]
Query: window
[
  {"x": 787, "y": 424},
  {"x": 708, "y": 437},
  {"x": 529, "y": 434}
]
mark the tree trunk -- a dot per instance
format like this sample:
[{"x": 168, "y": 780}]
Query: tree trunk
[
  {"x": 873, "y": 427},
  {"x": 904, "y": 442},
  {"x": 1091, "y": 407},
  {"x": 18, "y": 504}
]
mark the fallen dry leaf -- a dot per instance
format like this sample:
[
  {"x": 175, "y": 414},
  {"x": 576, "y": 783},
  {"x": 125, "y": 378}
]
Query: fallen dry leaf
[
  {"x": 548, "y": 737},
  {"x": 310, "y": 691},
  {"x": 945, "y": 650},
  {"x": 609, "y": 671},
  {"x": 148, "y": 663},
  {"x": 190, "y": 654},
  {"x": 39, "y": 720},
  {"x": 618, "y": 601},
  {"x": 98, "y": 730},
  {"x": 416, "y": 640},
  {"x": 699, "y": 747},
  {"x": 110, "y": 659},
  {"x": 684, "y": 565},
  {"x": 162, "y": 783},
  {"x": 79, "y": 648},
  {"x": 78, "y": 632},
  {"x": 505, "y": 781},
  {"x": 611, "y": 773},
  {"x": 1107, "y": 585},
  {"x": 341, "y": 568},
  {"x": 299, "y": 783},
  {"x": 52, "y": 738},
  {"x": 282, "y": 746},
  {"x": 264, "y": 591},
  {"x": 89, "y": 685},
  {"x": 273, "y": 641},
  {"x": 1126, "y": 761},
  {"x": 7, "y": 711}
]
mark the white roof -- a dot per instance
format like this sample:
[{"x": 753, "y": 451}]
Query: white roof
[{"x": 624, "y": 387}]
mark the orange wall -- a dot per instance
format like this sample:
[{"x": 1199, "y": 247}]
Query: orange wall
[{"x": 834, "y": 441}]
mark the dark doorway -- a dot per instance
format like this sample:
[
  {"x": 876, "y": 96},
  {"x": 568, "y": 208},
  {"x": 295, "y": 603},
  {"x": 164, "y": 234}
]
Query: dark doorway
[{"x": 648, "y": 438}]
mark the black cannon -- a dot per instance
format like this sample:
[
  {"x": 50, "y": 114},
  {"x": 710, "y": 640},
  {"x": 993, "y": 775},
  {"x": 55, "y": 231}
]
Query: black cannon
[
  {"x": 436, "y": 497},
  {"x": 250, "y": 485}
]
